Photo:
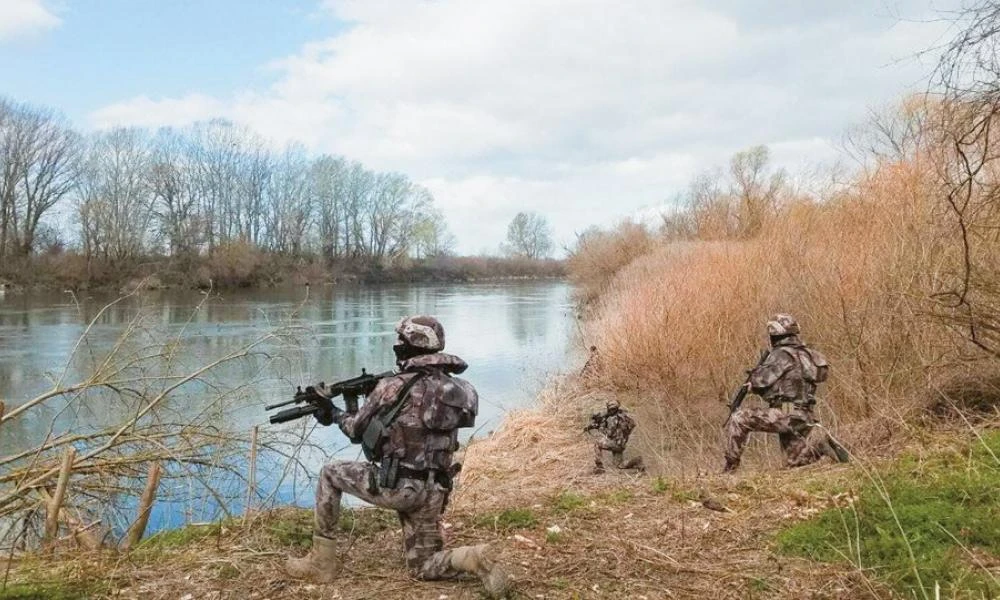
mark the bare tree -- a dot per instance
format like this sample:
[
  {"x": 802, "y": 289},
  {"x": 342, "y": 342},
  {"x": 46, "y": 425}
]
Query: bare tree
[
  {"x": 432, "y": 239},
  {"x": 967, "y": 79},
  {"x": 175, "y": 198},
  {"x": 114, "y": 201},
  {"x": 328, "y": 187},
  {"x": 40, "y": 156},
  {"x": 360, "y": 185},
  {"x": 528, "y": 236},
  {"x": 192, "y": 190},
  {"x": 289, "y": 209},
  {"x": 756, "y": 188},
  {"x": 891, "y": 134}
]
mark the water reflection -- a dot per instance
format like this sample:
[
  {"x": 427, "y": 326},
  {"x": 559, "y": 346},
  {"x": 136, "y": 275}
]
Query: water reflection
[{"x": 512, "y": 335}]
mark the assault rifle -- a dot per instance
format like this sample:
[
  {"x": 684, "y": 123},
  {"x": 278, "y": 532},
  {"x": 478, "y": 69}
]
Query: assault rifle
[
  {"x": 312, "y": 401},
  {"x": 596, "y": 421},
  {"x": 741, "y": 393}
]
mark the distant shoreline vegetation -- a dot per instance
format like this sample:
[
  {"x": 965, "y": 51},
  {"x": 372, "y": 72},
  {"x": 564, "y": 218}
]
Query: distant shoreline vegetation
[
  {"x": 215, "y": 205},
  {"x": 243, "y": 266}
]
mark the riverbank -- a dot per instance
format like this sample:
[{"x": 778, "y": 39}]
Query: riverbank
[
  {"x": 885, "y": 525},
  {"x": 896, "y": 522},
  {"x": 245, "y": 268}
]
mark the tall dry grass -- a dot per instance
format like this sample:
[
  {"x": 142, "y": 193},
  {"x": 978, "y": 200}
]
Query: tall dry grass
[
  {"x": 862, "y": 270},
  {"x": 600, "y": 255}
]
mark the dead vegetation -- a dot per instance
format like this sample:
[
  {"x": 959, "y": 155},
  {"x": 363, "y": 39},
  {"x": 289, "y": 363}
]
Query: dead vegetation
[
  {"x": 612, "y": 536},
  {"x": 888, "y": 275}
]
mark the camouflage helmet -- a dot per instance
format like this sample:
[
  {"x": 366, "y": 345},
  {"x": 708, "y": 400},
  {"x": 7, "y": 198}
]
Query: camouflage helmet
[
  {"x": 421, "y": 331},
  {"x": 782, "y": 325}
]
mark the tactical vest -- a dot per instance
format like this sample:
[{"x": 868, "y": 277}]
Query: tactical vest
[
  {"x": 424, "y": 433},
  {"x": 800, "y": 383},
  {"x": 619, "y": 426}
]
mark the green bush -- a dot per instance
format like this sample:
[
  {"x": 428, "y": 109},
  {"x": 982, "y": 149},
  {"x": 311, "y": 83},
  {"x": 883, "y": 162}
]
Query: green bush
[{"x": 916, "y": 524}]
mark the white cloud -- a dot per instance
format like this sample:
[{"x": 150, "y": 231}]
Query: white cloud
[
  {"x": 585, "y": 111},
  {"x": 146, "y": 112},
  {"x": 25, "y": 17}
]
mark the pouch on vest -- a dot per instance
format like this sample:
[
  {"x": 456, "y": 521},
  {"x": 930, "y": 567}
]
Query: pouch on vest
[
  {"x": 452, "y": 404},
  {"x": 628, "y": 424},
  {"x": 371, "y": 439},
  {"x": 378, "y": 428}
]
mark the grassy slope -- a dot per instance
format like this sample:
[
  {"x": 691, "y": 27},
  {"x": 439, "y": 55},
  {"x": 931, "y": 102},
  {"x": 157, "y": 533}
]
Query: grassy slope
[{"x": 929, "y": 521}]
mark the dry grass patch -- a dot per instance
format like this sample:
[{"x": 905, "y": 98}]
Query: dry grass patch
[{"x": 616, "y": 537}]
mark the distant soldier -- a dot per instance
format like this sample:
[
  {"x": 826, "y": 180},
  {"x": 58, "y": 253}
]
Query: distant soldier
[
  {"x": 615, "y": 427},
  {"x": 789, "y": 374},
  {"x": 593, "y": 363}
]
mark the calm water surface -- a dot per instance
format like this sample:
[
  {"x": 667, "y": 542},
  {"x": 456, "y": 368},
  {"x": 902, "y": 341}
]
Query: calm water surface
[{"x": 513, "y": 335}]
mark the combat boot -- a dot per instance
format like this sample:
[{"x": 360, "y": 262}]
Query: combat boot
[
  {"x": 321, "y": 565},
  {"x": 472, "y": 559},
  {"x": 840, "y": 453},
  {"x": 636, "y": 463}
]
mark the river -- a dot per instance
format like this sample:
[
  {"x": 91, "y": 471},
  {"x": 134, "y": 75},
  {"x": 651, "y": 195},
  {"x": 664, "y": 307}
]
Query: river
[{"x": 513, "y": 335}]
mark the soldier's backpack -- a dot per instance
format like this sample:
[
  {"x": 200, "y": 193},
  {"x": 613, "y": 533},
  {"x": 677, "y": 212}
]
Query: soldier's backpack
[
  {"x": 815, "y": 368},
  {"x": 445, "y": 403},
  {"x": 627, "y": 424},
  {"x": 451, "y": 403}
]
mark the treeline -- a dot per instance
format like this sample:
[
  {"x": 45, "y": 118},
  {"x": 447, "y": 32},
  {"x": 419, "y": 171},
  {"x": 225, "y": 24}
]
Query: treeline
[{"x": 125, "y": 195}]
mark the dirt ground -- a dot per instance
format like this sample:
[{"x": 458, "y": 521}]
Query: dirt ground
[{"x": 568, "y": 534}]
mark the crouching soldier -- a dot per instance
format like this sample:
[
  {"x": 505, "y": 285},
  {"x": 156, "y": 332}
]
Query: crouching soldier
[
  {"x": 408, "y": 429},
  {"x": 790, "y": 373},
  {"x": 615, "y": 427}
]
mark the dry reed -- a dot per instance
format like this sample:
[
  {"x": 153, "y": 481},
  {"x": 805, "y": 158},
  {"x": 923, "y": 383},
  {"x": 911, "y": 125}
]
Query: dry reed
[{"x": 867, "y": 271}]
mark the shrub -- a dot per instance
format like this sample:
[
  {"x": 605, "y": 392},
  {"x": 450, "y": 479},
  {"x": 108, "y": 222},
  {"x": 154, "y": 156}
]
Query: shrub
[
  {"x": 600, "y": 255},
  {"x": 236, "y": 264}
]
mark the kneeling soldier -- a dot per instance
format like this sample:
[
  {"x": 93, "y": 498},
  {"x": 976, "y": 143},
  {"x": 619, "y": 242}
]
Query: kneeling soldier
[
  {"x": 790, "y": 373},
  {"x": 408, "y": 429},
  {"x": 615, "y": 427}
]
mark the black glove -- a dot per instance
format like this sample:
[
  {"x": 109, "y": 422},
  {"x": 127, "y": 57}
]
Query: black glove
[{"x": 326, "y": 413}]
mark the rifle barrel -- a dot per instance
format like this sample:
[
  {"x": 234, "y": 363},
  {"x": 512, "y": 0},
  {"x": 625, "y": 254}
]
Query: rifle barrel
[{"x": 280, "y": 404}]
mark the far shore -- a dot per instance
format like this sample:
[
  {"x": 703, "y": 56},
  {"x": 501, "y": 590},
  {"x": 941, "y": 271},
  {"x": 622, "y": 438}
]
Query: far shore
[{"x": 73, "y": 272}]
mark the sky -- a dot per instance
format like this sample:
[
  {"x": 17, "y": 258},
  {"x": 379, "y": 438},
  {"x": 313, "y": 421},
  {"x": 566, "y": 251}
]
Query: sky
[{"x": 584, "y": 111}]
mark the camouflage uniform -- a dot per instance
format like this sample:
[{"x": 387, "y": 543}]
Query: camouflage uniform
[
  {"x": 615, "y": 427},
  {"x": 788, "y": 375},
  {"x": 411, "y": 464},
  {"x": 593, "y": 365},
  {"x": 425, "y": 458}
]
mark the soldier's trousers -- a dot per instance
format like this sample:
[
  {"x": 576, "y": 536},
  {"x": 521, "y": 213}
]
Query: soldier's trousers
[
  {"x": 802, "y": 440},
  {"x": 418, "y": 503},
  {"x": 605, "y": 444},
  {"x": 617, "y": 450}
]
